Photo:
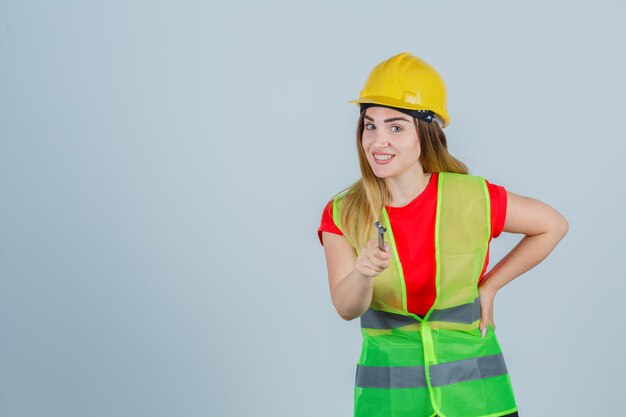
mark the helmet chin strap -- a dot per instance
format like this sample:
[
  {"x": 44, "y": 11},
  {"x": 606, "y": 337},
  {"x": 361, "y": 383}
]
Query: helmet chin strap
[{"x": 425, "y": 115}]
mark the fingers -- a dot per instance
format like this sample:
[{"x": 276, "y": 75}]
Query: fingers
[
  {"x": 485, "y": 322},
  {"x": 378, "y": 260},
  {"x": 487, "y": 296},
  {"x": 486, "y": 316},
  {"x": 372, "y": 261}
]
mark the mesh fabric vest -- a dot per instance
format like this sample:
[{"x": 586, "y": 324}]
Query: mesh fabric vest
[{"x": 441, "y": 364}]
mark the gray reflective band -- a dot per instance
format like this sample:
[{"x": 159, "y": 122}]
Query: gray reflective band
[
  {"x": 390, "y": 376},
  {"x": 440, "y": 374},
  {"x": 376, "y": 319},
  {"x": 464, "y": 313},
  {"x": 467, "y": 369}
]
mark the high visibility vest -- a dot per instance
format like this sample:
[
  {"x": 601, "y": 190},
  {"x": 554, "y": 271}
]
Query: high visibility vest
[{"x": 440, "y": 364}]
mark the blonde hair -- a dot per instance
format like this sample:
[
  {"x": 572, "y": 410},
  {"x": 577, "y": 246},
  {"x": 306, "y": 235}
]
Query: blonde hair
[{"x": 365, "y": 198}]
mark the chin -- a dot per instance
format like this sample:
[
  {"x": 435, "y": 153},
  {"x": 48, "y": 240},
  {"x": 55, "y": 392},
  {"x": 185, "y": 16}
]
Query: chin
[{"x": 382, "y": 174}]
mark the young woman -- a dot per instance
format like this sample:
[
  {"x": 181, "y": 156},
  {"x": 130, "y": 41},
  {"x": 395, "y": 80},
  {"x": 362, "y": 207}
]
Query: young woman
[{"x": 425, "y": 302}]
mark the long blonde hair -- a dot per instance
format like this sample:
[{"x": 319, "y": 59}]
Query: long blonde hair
[{"x": 365, "y": 198}]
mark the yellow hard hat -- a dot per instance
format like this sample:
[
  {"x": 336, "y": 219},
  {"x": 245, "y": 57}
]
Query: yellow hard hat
[{"x": 407, "y": 82}]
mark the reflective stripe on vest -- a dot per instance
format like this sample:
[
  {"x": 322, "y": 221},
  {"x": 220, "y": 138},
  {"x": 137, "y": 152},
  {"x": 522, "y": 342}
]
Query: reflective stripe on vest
[
  {"x": 440, "y": 374},
  {"x": 465, "y": 313},
  {"x": 439, "y": 363}
]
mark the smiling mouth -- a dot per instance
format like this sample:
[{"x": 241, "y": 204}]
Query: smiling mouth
[{"x": 381, "y": 157}]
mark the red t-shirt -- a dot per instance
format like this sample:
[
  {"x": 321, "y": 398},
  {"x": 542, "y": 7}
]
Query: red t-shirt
[{"x": 414, "y": 232}]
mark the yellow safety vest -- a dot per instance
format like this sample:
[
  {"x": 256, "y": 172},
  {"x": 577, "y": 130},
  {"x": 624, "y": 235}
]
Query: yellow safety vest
[{"x": 441, "y": 364}]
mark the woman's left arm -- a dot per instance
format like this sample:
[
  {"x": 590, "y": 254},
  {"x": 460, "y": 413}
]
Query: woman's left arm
[{"x": 543, "y": 228}]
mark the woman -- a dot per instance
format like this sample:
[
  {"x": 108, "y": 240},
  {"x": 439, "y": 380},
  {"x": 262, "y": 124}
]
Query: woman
[{"x": 425, "y": 302}]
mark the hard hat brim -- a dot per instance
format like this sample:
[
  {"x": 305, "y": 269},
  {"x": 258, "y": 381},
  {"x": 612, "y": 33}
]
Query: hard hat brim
[{"x": 388, "y": 101}]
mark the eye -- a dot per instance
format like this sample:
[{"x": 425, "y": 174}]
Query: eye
[
  {"x": 367, "y": 125},
  {"x": 399, "y": 128}
]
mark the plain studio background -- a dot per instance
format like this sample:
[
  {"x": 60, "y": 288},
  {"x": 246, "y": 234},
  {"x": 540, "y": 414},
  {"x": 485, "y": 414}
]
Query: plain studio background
[{"x": 164, "y": 166}]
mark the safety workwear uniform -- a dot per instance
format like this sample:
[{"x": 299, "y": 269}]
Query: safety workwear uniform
[
  {"x": 439, "y": 364},
  {"x": 407, "y": 82}
]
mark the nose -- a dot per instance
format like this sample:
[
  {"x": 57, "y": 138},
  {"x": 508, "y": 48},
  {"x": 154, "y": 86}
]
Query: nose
[{"x": 381, "y": 140}]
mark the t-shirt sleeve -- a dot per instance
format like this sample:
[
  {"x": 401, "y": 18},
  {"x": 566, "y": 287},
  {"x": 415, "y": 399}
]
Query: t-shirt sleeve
[
  {"x": 327, "y": 223},
  {"x": 497, "y": 196}
]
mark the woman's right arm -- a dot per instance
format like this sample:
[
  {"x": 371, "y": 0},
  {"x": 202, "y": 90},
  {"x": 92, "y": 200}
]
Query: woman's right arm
[{"x": 351, "y": 279}]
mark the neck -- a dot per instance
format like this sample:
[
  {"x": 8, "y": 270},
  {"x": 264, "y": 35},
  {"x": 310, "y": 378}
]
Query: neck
[{"x": 408, "y": 186}]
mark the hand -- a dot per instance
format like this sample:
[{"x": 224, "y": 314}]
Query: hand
[
  {"x": 487, "y": 295},
  {"x": 372, "y": 261}
]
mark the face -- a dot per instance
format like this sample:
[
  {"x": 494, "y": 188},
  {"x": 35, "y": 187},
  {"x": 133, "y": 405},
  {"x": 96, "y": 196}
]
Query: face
[{"x": 390, "y": 142}]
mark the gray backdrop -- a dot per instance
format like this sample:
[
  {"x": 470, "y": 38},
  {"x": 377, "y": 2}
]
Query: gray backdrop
[{"x": 164, "y": 166}]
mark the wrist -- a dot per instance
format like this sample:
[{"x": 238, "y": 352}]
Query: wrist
[
  {"x": 488, "y": 288},
  {"x": 359, "y": 274}
]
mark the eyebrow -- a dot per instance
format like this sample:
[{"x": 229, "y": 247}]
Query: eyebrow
[{"x": 393, "y": 119}]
